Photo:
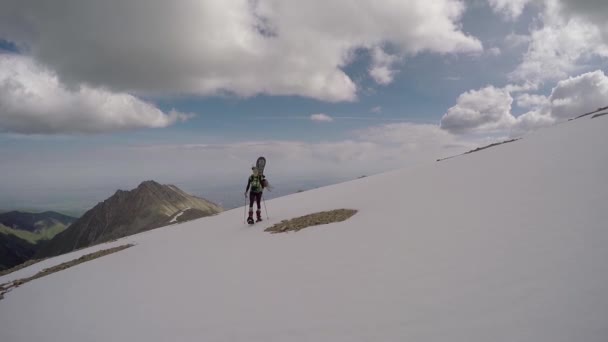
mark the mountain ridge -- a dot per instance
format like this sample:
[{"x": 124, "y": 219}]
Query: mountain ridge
[
  {"x": 32, "y": 222},
  {"x": 150, "y": 205}
]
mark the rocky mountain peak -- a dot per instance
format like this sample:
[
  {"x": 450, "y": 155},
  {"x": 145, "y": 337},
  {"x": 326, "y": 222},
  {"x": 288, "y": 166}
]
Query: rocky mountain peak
[{"x": 150, "y": 205}]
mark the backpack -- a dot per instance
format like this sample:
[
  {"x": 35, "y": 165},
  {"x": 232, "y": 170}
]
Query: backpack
[{"x": 257, "y": 183}]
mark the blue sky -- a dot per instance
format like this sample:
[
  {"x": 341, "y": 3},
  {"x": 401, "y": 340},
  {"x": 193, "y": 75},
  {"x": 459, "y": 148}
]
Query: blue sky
[{"x": 94, "y": 97}]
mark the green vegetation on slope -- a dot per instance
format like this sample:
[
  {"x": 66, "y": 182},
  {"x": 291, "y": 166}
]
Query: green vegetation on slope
[
  {"x": 34, "y": 237},
  {"x": 33, "y": 222}
]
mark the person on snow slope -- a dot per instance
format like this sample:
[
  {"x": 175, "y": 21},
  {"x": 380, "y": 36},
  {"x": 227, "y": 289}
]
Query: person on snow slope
[{"x": 255, "y": 187}]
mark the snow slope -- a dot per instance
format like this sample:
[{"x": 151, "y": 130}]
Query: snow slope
[{"x": 506, "y": 244}]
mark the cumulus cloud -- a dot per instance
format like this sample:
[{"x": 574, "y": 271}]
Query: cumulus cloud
[
  {"x": 555, "y": 51},
  {"x": 522, "y": 87},
  {"x": 382, "y": 70},
  {"x": 243, "y": 47},
  {"x": 510, "y": 9},
  {"x": 531, "y": 121},
  {"x": 489, "y": 109},
  {"x": 321, "y": 118},
  {"x": 565, "y": 35},
  {"x": 578, "y": 95},
  {"x": 513, "y": 40},
  {"x": 531, "y": 100},
  {"x": 486, "y": 109},
  {"x": 495, "y": 51},
  {"x": 593, "y": 11},
  {"x": 34, "y": 101}
]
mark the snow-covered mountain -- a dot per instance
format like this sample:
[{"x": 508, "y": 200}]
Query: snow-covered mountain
[{"x": 504, "y": 244}]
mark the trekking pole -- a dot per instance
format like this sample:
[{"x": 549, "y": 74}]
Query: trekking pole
[
  {"x": 266, "y": 210},
  {"x": 245, "y": 211}
]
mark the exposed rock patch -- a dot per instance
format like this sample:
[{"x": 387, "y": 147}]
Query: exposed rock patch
[
  {"x": 482, "y": 148},
  {"x": 590, "y": 113},
  {"x": 310, "y": 220}
]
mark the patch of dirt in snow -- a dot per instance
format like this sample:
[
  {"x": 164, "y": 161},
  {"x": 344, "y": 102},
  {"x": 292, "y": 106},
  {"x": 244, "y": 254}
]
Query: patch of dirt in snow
[
  {"x": 7, "y": 287},
  {"x": 310, "y": 220}
]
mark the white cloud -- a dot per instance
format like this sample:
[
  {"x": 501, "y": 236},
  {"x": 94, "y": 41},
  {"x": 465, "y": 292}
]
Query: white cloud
[
  {"x": 525, "y": 86},
  {"x": 564, "y": 37},
  {"x": 274, "y": 47},
  {"x": 531, "y": 121},
  {"x": 495, "y": 51},
  {"x": 382, "y": 69},
  {"x": 489, "y": 109},
  {"x": 34, "y": 101},
  {"x": 556, "y": 51},
  {"x": 531, "y": 101},
  {"x": 321, "y": 118},
  {"x": 376, "y": 110},
  {"x": 510, "y": 9},
  {"x": 486, "y": 109},
  {"x": 513, "y": 40},
  {"x": 410, "y": 137},
  {"x": 579, "y": 95},
  {"x": 592, "y": 11},
  {"x": 373, "y": 149}
]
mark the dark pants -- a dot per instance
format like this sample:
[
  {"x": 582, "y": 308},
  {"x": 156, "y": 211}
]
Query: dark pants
[{"x": 255, "y": 196}]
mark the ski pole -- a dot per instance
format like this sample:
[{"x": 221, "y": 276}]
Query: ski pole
[
  {"x": 266, "y": 210},
  {"x": 245, "y": 211}
]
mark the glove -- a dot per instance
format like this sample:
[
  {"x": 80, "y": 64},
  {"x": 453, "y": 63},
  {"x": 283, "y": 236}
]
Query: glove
[{"x": 245, "y": 193}]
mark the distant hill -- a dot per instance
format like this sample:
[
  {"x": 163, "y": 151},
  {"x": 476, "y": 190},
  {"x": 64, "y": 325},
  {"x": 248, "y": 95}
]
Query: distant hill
[
  {"x": 35, "y": 222},
  {"x": 14, "y": 251},
  {"x": 34, "y": 237},
  {"x": 150, "y": 205},
  {"x": 22, "y": 234}
]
